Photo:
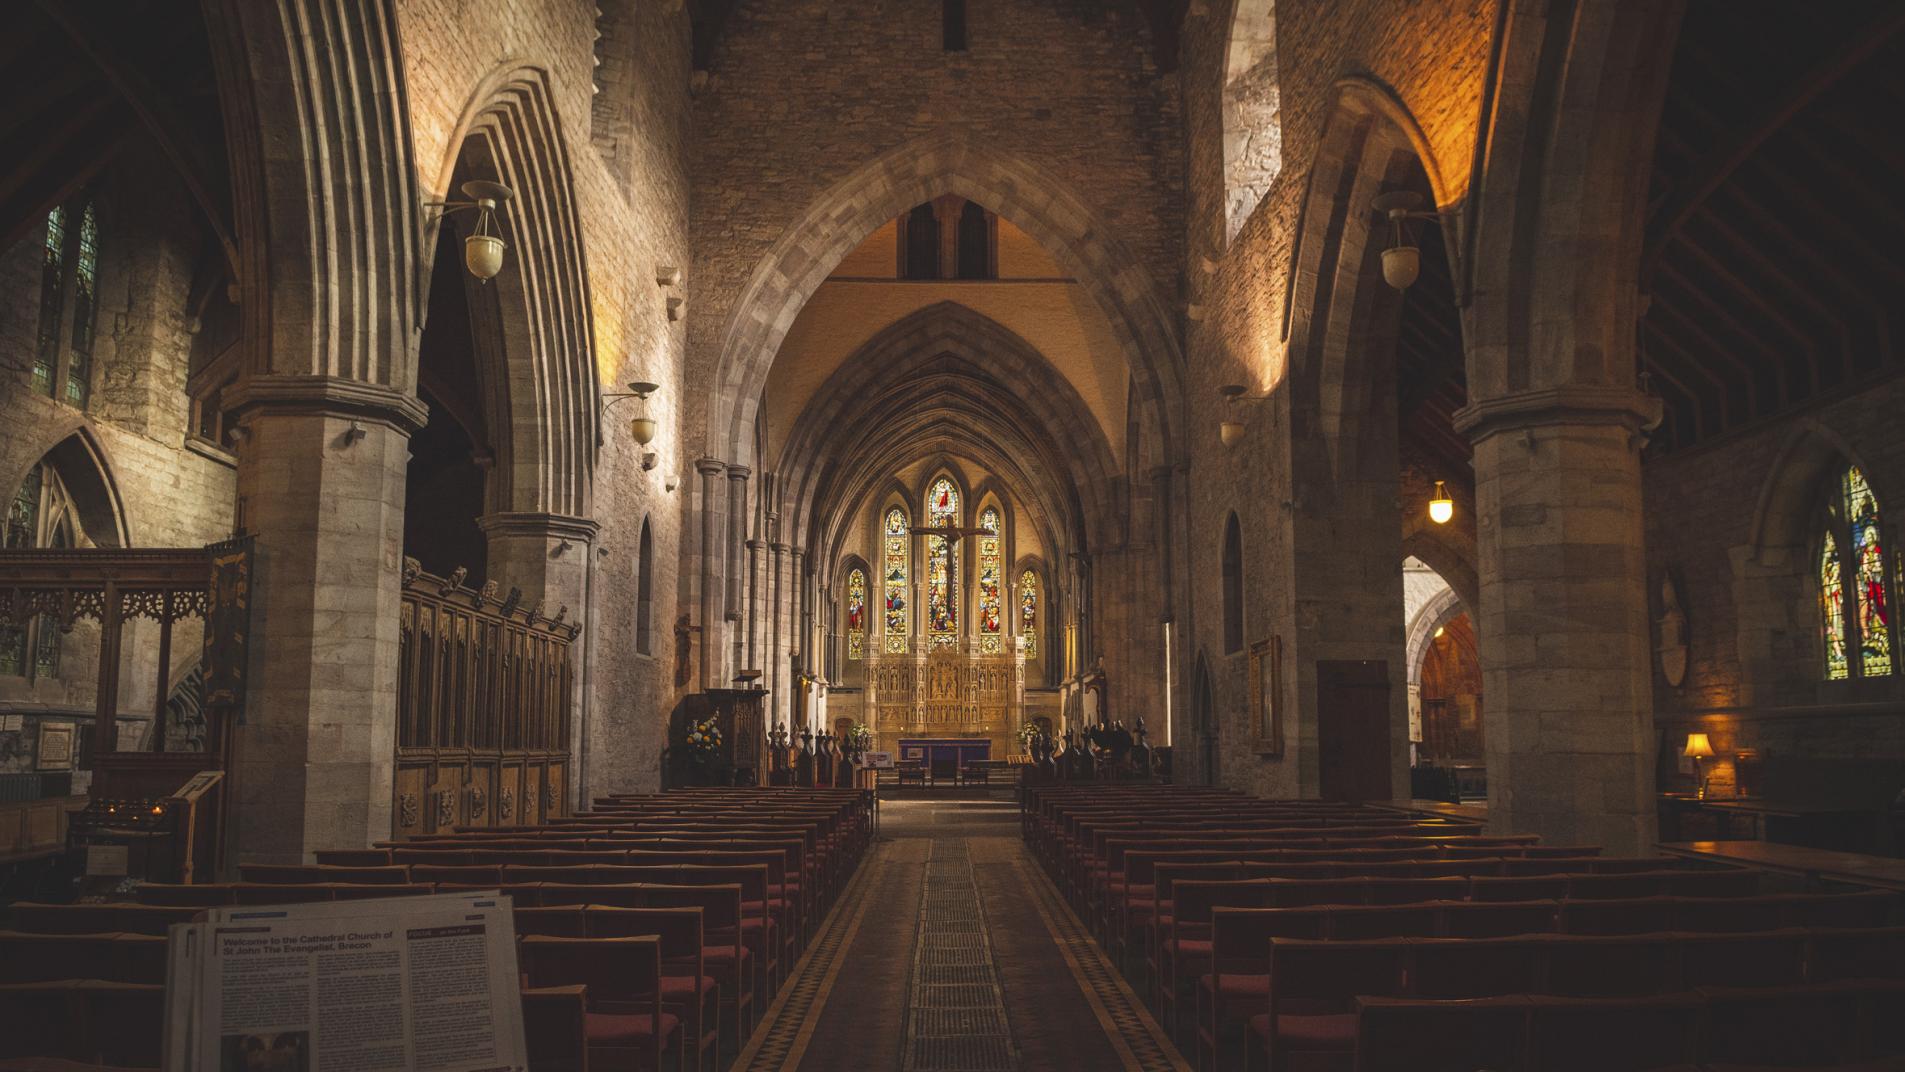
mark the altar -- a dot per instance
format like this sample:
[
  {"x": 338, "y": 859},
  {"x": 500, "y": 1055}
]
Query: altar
[{"x": 951, "y": 694}]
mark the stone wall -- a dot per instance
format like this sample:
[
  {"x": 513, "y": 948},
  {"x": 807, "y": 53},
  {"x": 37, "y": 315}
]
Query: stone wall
[
  {"x": 172, "y": 489},
  {"x": 803, "y": 93},
  {"x": 1432, "y": 56},
  {"x": 630, "y": 185},
  {"x": 1734, "y": 522}
]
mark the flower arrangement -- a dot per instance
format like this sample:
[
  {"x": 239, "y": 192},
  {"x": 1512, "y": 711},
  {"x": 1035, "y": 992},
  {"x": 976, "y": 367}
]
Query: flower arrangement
[
  {"x": 704, "y": 741},
  {"x": 860, "y": 737},
  {"x": 1026, "y": 733}
]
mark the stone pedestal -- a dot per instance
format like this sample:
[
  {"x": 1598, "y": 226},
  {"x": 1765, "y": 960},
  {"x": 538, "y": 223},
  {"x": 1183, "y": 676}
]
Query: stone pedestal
[
  {"x": 323, "y": 492},
  {"x": 1563, "y": 626}
]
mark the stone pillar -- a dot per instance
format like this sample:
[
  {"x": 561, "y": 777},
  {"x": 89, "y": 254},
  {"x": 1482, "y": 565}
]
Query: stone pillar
[
  {"x": 551, "y": 557},
  {"x": 545, "y": 555},
  {"x": 775, "y": 552},
  {"x": 753, "y": 661},
  {"x": 1563, "y": 629},
  {"x": 709, "y": 468},
  {"x": 731, "y": 548},
  {"x": 803, "y": 645},
  {"x": 321, "y": 472}
]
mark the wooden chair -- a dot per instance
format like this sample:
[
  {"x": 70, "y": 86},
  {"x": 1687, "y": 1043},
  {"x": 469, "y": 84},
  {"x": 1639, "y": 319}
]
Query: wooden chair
[
  {"x": 555, "y": 1028},
  {"x": 623, "y": 1015}
]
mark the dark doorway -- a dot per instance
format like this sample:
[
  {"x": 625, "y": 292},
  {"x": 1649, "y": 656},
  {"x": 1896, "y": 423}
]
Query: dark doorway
[{"x": 1352, "y": 729}]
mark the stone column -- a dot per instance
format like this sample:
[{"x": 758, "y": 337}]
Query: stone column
[
  {"x": 803, "y": 645},
  {"x": 776, "y": 586},
  {"x": 1563, "y": 629},
  {"x": 549, "y": 557},
  {"x": 732, "y": 546},
  {"x": 753, "y": 660},
  {"x": 709, "y": 468},
  {"x": 321, "y": 473},
  {"x": 545, "y": 555}
]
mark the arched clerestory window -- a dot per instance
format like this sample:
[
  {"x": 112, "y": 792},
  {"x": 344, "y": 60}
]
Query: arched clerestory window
[
  {"x": 1233, "y": 586},
  {"x": 1855, "y": 621},
  {"x": 645, "y": 593},
  {"x": 895, "y": 575},
  {"x": 69, "y": 296}
]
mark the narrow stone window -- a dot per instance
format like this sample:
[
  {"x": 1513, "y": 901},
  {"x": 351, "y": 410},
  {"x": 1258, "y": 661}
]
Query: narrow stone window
[
  {"x": 645, "y": 592},
  {"x": 1233, "y": 586}
]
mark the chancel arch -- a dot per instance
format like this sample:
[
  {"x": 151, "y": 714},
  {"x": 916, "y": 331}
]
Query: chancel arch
[{"x": 945, "y": 162}]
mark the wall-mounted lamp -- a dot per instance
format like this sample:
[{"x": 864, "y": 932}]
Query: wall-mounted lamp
[
  {"x": 1230, "y": 430},
  {"x": 483, "y": 249},
  {"x": 642, "y": 427},
  {"x": 1441, "y": 507},
  {"x": 1402, "y": 261}
]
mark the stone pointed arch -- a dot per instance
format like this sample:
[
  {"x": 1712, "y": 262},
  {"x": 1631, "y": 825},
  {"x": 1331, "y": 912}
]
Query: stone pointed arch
[
  {"x": 1045, "y": 418},
  {"x": 948, "y": 162},
  {"x": 543, "y": 364},
  {"x": 83, "y": 467},
  {"x": 327, "y": 211}
]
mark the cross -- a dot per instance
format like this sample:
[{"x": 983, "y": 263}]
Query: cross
[{"x": 951, "y": 534}]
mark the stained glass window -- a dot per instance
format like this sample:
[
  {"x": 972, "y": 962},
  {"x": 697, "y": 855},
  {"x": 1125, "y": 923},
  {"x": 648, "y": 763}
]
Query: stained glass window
[
  {"x": 895, "y": 577},
  {"x": 52, "y": 301},
  {"x": 1832, "y": 611},
  {"x": 942, "y": 578},
  {"x": 85, "y": 297},
  {"x": 1028, "y": 612},
  {"x": 1868, "y": 571},
  {"x": 990, "y": 610},
  {"x": 1855, "y": 620},
  {"x": 857, "y": 614}
]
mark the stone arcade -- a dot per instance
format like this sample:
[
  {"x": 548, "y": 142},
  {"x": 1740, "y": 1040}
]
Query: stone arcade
[{"x": 962, "y": 380}]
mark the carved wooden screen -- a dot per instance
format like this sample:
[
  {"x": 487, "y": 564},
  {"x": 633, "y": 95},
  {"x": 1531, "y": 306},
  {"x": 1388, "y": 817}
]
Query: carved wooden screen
[{"x": 484, "y": 697}]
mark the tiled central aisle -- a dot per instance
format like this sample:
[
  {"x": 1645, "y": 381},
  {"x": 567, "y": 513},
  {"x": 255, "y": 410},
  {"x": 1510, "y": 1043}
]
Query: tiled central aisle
[{"x": 951, "y": 952}]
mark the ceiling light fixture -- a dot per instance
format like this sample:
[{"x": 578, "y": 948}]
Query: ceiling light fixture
[
  {"x": 484, "y": 248},
  {"x": 1402, "y": 261},
  {"x": 1441, "y": 507}
]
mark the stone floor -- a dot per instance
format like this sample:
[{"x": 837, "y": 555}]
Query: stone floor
[{"x": 951, "y": 952}]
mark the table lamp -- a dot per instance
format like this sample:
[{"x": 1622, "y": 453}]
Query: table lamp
[{"x": 1698, "y": 748}]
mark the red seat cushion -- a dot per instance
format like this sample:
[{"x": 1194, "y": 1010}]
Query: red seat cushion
[
  {"x": 1336, "y": 1031},
  {"x": 676, "y": 987},
  {"x": 626, "y": 1027},
  {"x": 1241, "y": 986},
  {"x": 1199, "y": 948}
]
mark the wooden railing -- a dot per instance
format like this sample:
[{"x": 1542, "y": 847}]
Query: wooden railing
[{"x": 484, "y": 707}]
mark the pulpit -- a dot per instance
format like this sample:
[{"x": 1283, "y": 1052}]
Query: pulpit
[{"x": 741, "y": 716}]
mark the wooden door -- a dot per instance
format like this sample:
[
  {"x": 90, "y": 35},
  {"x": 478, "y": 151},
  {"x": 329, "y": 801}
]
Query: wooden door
[{"x": 1352, "y": 729}]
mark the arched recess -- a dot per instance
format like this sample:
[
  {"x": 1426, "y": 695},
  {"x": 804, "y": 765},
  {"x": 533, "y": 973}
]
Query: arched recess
[
  {"x": 855, "y": 615},
  {"x": 1456, "y": 565},
  {"x": 948, "y": 162},
  {"x": 1204, "y": 718},
  {"x": 645, "y": 592},
  {"x": 84, "y": 470},
  {"x": 1252, "y": 112},
  {"x": 541, "y": 357},
  {"x": 1340, "y": 315},
  {"x": 915, "y": 373},
  {"x": 1776, "y": 584},
  {"x": 1233, "y": 581},
  {"x": 1434, "y": 615}
]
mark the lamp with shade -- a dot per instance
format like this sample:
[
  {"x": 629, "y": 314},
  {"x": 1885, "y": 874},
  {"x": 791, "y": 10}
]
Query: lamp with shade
[
  {"x": 1441, "y": 507},
  {"x": 1698, "y": 749}
]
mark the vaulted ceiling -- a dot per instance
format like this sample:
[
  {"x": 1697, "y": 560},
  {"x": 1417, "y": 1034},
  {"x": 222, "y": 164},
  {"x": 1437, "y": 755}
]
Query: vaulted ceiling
[{"x": 1771, "y": 255}]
